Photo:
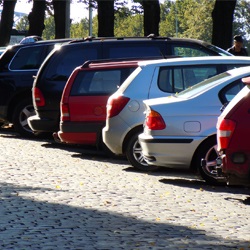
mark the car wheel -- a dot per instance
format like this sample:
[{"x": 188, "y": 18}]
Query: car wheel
[
  {"x": 21, "y": 114},
  {"x": 135, "y": 156},
  {"x": 208, "y": 151}
]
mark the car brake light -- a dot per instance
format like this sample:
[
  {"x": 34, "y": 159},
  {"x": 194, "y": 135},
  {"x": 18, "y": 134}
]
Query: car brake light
[
  {"x": 115, "y": 105},
  {"x": 65, "y": 116},
  {"x": 154, "y": 121},
  {"x": 224, "y": 133},
  {"x": 38, "y": 97}
]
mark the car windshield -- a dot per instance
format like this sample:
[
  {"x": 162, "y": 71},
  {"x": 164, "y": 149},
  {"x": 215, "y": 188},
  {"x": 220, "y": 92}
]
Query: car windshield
[
  {"x": 203, "y": 86},
  {"x": 222, "y": 52}
]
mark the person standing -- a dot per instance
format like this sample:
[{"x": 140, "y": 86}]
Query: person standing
[{"x": 237, "y": 49}]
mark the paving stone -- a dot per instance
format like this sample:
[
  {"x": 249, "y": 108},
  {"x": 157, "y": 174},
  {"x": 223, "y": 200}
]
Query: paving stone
[{"x": 62, "y": 197}]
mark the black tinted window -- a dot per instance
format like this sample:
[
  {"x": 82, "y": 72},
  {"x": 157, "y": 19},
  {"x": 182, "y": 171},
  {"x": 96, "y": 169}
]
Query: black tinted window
[
  {"x": 27, "y": 58},
  {"x": 99, "y": 82},
  {"x": 187, "y": 51},
  {"x": 130, "y": 49},
  {"x": 62, "y": 65},
  {"x": 229, "y": 92}
]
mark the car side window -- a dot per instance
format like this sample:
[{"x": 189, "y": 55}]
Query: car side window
[
  {"x": 134, "y": 49},
  {"x": 27, "y": 58},
  {"x": 66, "y": 62},
  {"x": 176, "y": 79},
  {"x": 187, "y": 51},
  {"x": 100, "y": 82},
  {"x": 229, "y": 92}
]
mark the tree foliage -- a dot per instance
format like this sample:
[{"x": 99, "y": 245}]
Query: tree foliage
[
  {"x": 187, "y": 18},
  {"x": 241, "y": 24},
  {"x": 181, "y": 18}
]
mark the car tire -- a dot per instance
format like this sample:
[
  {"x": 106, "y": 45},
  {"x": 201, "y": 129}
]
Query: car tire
[
  {"x": 208, "y": 151},
  {"x": 22, "y": 111},
  {"x": 134, "y": 155}
]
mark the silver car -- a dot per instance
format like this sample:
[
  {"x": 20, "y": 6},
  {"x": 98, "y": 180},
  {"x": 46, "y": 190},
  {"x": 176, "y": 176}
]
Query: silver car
[
  {"x": 180, "y": 130},
  {"x": 152, "y": 79}
]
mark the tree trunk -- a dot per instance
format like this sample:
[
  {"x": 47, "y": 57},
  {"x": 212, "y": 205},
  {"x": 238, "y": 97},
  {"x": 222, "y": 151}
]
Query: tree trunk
[
  {"x": 61, "y": 18},
  {"x": 223, "y": 15},
  {"x": 151, "y": 17},
  {"x": 36, "y": 18},
  {"x": 106, "y": 18},
  {"x": 6, "y": 23}
]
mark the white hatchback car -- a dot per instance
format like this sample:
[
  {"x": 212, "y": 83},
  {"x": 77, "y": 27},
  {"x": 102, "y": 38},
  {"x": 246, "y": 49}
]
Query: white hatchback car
[
  {"x": 180, "y": 130},
  {"x": 152, "y": 79}
]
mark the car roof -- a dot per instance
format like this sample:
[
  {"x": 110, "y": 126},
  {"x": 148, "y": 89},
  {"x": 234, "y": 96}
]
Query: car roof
[
  {"x": 41, "y": 42},
  {"x": 196, "y": 60},
  {"x": 135, "y": 39}
]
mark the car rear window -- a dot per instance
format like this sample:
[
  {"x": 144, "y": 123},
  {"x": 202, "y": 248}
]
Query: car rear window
[
  {"x": 101, "y": 82},
  {"x": 204, "y": 85}
]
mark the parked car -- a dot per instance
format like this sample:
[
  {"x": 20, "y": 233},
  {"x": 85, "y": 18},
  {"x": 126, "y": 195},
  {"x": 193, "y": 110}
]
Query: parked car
[
  {"x": 125, "y": 115},
  {"x": 180, "y": 130},
  {"x": 84, "y": 98},
  {"x": 53, "y": 74},
  {"x": 18, "y": 64},
  {"x": 233, "y": 129}
]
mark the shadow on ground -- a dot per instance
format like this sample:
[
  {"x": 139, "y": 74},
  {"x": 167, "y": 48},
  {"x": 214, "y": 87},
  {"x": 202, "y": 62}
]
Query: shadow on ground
[{"x": 27, "y": 223}]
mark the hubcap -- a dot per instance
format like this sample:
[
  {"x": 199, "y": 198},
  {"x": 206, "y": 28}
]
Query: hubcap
[
  {"x": 24, "y": 115},
  {"x": 137, "y": 152},
  {"x": 211, "y": 163}
]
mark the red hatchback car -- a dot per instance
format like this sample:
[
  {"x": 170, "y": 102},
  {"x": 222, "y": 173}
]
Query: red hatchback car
[
  {"x": 233, "y": 138},
  {"x": 83, "y": 102}
]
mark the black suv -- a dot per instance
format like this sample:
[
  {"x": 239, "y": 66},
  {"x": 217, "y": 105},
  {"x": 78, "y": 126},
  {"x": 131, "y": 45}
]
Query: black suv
[
  {"x": 53, "y": 74},
  {"x": 18, "y": 64}
]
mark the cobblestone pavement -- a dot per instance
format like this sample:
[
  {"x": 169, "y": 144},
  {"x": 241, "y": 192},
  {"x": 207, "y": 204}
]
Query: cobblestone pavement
[{"x": 60, "y": 197}]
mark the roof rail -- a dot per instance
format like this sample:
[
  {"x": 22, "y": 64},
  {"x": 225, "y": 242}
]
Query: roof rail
[
  {"x": 87, "y": 63},
  {"x": 92, "y": 38}
]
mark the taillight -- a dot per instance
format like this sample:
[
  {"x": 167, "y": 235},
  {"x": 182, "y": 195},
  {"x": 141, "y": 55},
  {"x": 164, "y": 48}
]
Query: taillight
[
  {"x": 224, "y": 133},
  {"x": 65, "y": 116},
  {"x": 154, "y": 121},
  {"x": 38, "y": 97},
  {"x": 115, "y": 105}
]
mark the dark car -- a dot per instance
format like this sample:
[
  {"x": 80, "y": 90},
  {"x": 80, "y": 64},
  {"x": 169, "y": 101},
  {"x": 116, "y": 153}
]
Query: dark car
[
  {"x": 233, "y": 129},
  {"x": 18, "y": 64},
  {"x": 56, "y": 69},
  {"x": 84, "y": 98}
]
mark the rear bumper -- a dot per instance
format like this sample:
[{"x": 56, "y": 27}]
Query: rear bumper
[
  {"x": 169, "y": 151},
  {"x": 38, "y": 124},
  {"x": 114, "y": 133},
  {"x": 236, "y": 174},
  {"x": 88, "y": 133}
]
